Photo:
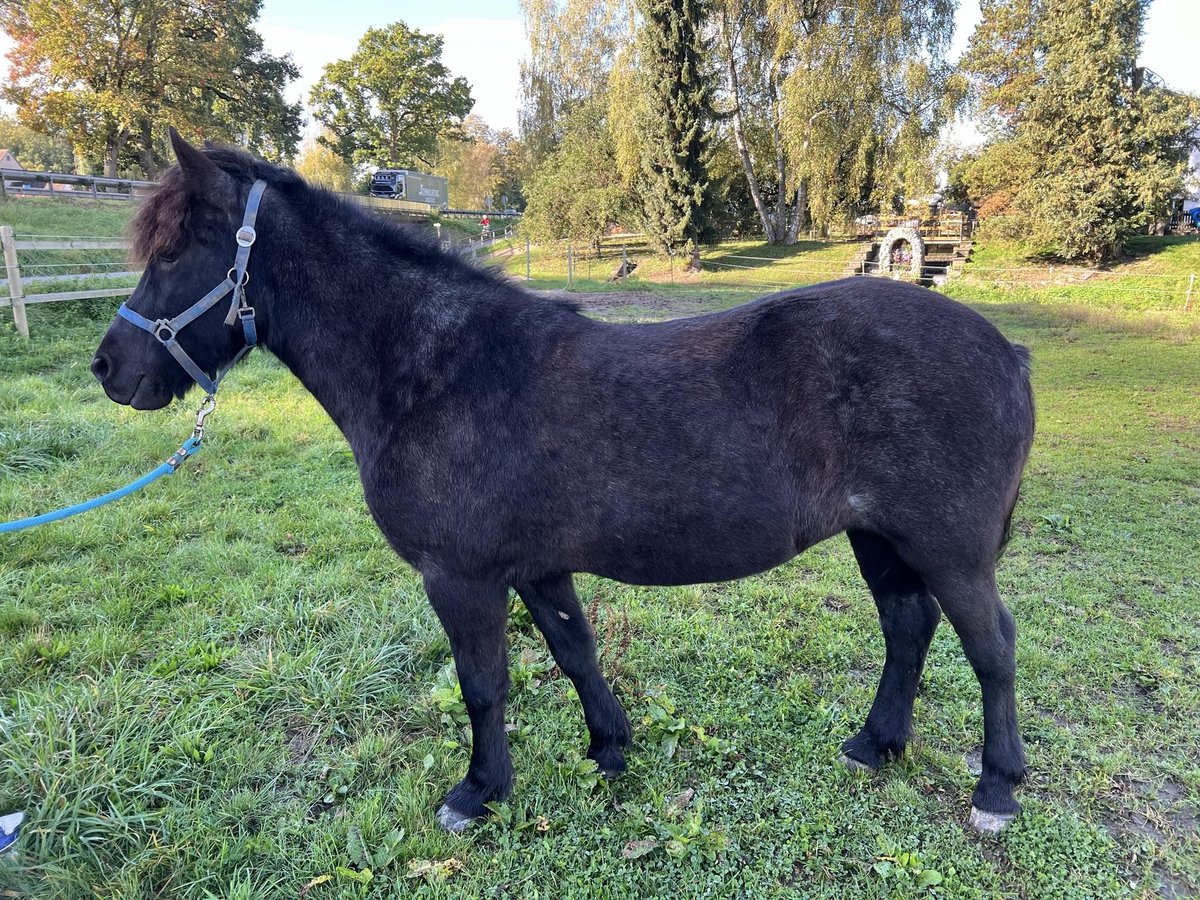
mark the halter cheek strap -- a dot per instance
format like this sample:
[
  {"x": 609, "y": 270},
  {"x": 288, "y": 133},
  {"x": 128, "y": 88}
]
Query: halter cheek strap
[{"x": 165, "y": 331}]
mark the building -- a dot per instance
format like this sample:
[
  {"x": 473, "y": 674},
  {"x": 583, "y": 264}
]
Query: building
[
  {"x": 1191, "y": 197},
  {"x": 8, "y": 161}
]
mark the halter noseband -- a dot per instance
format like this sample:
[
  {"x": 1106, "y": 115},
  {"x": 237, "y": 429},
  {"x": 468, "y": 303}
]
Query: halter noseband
[{"x": 165, "y": 330}]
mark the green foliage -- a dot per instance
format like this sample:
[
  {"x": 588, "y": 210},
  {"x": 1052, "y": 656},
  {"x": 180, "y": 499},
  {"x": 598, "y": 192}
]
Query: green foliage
[
  {"x": 572, "y": 44},
  {"x": 388, "y": 104},
  {"x": 577, "y": 193},
  {"x": 834, "y": 106},
  {"x": 111, "y": 77},
  {"x": 34, "y": 150},
  {"x": 470, "y": 164},
  {"x": 674, "y": 188},
  {"x": 319, "y": 164},
  {"x": 1089, "y": 147}
]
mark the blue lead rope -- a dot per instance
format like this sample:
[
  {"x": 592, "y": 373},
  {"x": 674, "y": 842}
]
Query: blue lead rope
[{"x": 187, "y": 449}]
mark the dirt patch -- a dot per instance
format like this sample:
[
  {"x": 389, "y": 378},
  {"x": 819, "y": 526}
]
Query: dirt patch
[{"x": 300, "y": 742}]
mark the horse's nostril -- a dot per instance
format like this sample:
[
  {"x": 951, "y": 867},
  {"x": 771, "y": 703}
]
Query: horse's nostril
[{"x": 100, "y": 367}]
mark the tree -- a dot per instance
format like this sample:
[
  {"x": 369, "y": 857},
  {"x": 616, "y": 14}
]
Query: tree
[
  {"x": 572, "y": 44},
  {"x": 512, "y": 169},
  {"x": 34, "y": 150},
  {"x": 835, "y": 105},
  {"x": 320, "y": 165},
  {"x": 470, "y": 165},
  {"x": 111, "y": 75},
  {"x": 390, "y": 102},
  {"x": 1087, "y": 146},
  {"x": 576, "y": 192},
  {"x": 674, "y": 131}
]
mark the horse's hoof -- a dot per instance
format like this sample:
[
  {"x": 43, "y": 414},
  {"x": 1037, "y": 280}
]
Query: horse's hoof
[
  {"x": 990, "y": 823},
  {"x": 453, "y": 821},
  {"x": 854, "y": 765}
]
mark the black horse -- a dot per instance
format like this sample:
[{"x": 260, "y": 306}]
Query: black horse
[{"x": 506, "y": 440}]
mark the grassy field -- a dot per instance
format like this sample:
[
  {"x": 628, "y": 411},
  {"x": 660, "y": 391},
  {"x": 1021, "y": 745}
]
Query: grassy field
[{"x": 228, "y": 686}]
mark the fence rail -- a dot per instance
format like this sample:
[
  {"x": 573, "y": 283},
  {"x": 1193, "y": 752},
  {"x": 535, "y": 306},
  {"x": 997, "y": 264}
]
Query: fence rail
[
  {"x": 1165, "y": 290},
  {"x": 18, "y": 299},
  {"x": 19, "y": 181}
]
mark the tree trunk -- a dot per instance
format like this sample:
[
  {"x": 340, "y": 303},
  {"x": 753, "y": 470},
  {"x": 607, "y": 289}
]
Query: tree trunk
[
  {"x": 739, "y": 131},
  {"x": 780, "y": 159},
  {"x": 146, "y": 152},
  {"x": 112, "y": 152},
  {"x": 800, "y": 213}
]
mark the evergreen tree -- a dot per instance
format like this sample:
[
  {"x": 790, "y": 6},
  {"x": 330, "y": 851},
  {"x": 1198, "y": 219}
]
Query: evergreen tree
[
  {"x": 674, "y": 178},
  {"x": 1088, "y": 146}
]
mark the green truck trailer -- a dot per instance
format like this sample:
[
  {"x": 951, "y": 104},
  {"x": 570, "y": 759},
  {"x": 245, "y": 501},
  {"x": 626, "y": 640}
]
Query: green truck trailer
[{"x": 416, "y": 187}]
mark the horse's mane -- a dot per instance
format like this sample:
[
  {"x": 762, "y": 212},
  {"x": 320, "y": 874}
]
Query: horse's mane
[{"x": 162, "y": 225}]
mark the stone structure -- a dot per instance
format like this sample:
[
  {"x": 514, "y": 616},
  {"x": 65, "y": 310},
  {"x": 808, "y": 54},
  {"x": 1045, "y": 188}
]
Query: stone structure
[{"x": 891, "y": 241}]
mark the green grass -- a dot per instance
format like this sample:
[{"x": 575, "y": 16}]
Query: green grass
[
  {"x": 81, "y": 218},
  {"x": 229, "y": 686},
  {"x": 732, "y": 266},
  {"x": 1153, "y": 274}
]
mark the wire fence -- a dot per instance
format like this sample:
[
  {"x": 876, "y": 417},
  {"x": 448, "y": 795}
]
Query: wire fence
[
  {"x": 633, "y": 266},
  {"x": 52, "y": 268}
]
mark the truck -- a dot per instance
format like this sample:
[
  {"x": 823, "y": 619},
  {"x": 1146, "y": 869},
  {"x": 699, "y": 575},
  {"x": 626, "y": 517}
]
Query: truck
[{"x": 416, "y": 187}]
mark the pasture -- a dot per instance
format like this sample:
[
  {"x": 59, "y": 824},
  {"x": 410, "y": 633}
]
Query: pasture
[{"x": 229, "y": 686}]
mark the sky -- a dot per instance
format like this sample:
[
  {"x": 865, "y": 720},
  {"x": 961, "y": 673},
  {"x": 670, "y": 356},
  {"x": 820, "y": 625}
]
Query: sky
[{"x": 485, "y": 40}]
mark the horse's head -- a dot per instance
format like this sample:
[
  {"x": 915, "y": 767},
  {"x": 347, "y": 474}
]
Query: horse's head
[{"x": 186, "y": 236}]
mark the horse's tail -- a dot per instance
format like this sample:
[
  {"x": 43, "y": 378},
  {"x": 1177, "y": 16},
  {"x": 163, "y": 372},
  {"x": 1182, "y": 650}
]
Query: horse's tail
[{"x": 1025, "y": 361}]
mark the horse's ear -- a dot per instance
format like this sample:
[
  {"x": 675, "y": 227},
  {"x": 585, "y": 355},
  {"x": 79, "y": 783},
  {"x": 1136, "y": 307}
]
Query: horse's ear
[{"x": 195, "y": 164}]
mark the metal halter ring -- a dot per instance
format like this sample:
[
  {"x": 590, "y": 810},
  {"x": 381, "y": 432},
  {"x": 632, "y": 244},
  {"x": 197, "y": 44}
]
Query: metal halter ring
[
  {"x": 246, "y": 235},
  {"x": 245, "y": 276},
  {"x": 164, "y": 325}
]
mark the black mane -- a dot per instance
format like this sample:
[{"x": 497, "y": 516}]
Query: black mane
[{"x": 162, "y": 225}]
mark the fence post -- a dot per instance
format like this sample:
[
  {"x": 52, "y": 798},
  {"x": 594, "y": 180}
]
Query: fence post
[
  {"x": 15, "y": 292},
  {"x": 624, "y": 264},
  {"x": 528, "y": 249},
  {"x": 1187, "y": 303},
  {"x": 570, "y": 265}
]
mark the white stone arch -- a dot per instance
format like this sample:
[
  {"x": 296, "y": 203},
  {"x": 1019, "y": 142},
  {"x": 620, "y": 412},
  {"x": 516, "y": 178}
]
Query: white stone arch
[{"x": 891, "y": 239}]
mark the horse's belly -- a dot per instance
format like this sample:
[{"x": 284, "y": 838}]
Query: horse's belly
[{"x": 681, "y": 555}]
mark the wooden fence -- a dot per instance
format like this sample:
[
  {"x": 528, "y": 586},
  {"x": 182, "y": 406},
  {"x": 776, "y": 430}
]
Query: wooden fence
[{"x": 18, "y": 299}]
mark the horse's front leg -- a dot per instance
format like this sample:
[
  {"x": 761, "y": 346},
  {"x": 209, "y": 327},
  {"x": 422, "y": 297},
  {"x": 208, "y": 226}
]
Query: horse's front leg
[
  {"x": 555, "y": 608},
  {"x": 474, "y": 613}
]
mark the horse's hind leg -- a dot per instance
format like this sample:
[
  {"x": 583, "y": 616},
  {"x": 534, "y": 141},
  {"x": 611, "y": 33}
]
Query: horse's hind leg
[
  {"x": 473, "y": 614},
  {"x": 909, "y": 616},
  {"x": 989, "y": 638},
  {"x": 556, "y": 611}
]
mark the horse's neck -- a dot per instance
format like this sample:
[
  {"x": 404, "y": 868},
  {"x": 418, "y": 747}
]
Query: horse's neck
[{"x": 361, "y": 338}]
